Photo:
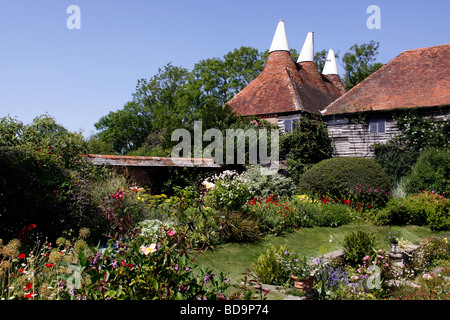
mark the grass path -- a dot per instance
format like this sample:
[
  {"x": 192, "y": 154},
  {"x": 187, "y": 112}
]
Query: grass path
[{"x": 234, "y": 258}]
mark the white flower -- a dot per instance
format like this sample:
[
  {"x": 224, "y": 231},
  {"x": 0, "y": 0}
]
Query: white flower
[
  {"x": 208, "y": 185},
  {"x": 427, "y": 276},
  {"x": 146, "y": 250}
]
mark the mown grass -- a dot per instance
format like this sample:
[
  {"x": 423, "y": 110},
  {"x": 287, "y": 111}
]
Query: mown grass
[{"x": 235, "y": 258}]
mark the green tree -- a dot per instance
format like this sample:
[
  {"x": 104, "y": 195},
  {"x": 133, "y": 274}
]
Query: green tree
[
  {"x": 175, "y": 98},
  {"x": 221, "y": 79},
  {"x": 359, "y": 63},
  {"x": 125, "y": 129},
  {"x": 320, "y": 57},
  {"x": 44, "y": 133},
  {"x": 43, "y": 178},
  {"x": 308, "y": 144}
]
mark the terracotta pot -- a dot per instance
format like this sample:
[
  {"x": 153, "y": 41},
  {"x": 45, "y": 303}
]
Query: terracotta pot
[{"x": 304, "y": 284}]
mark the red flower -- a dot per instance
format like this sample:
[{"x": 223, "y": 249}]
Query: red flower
[
  {"x": 21, "y": 270},
  {"x": 129, "y": 265},
  {"x": 22, "y": 256},
  {"x": 49, "y": 265},
  {"x": 28, "y": 286},
  {"x": 29, "y": 295}
]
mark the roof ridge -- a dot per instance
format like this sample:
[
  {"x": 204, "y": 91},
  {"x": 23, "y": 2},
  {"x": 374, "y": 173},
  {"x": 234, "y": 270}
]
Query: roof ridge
[
  {"x": 413, "y": 77},
  {"x": 295, "y": 97},
  {"x": 425, "y": 48}
]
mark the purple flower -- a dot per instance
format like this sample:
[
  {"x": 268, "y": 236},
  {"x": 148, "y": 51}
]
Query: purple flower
[{"x": 208, "y": 277}]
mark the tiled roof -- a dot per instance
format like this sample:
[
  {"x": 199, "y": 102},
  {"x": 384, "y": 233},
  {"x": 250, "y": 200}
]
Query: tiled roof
[
  {"x": 415, "y": 78},
  {"x": 285, "y": 86}
]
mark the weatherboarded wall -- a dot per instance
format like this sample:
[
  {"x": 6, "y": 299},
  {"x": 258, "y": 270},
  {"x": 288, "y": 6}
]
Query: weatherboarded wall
[{"x": 354, "y": 134}]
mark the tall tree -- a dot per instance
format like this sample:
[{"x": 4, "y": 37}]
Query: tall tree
[
  {"x": 320, "y": 57},
  {"x": 127, "y": 128},
  {"x": 221, "y": 79},
  {"x": 159, "y": 103},
  {"x": 359, "y": 63}
]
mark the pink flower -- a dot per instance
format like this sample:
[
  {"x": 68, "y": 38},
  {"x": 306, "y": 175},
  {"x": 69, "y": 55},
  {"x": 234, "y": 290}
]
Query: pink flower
[
  {"x": 150, "y": 249},
  {"x": 171, "y": 232}
]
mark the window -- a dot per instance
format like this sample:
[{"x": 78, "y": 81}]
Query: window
[
  {"x": 377, "y": 126},
  {"x": 295, "y": 123},
  {"x": 290, "y": 124}
]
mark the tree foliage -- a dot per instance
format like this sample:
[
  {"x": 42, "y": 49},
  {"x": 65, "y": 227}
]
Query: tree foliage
[
  {"x": 176, "y": 97},
  {"x": 43, "y": 178},
  {"x": 308, "y": 144},
  {"x": 359, "y": 63}
]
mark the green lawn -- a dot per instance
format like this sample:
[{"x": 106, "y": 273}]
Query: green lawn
[{"x": 234, "y": 258}]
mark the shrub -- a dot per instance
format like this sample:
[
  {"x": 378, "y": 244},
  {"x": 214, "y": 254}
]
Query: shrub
[
  {"x": 37, "y": 189},
  {"x": 394, "y": 213},
  {"x": 338, "y": 177},
  {"x": 269, "y": 268},
  {"x": 439, "y": 217},
  {"x": 367, "y": 197},
  {"x": 430, "y": 173},
  {"x": 357, "y": 245},
  {"x": 274, "y": 215},
  {"x": 45, "y": 135},
  {"x": 308, "y": 144},
  {"x": 396, "y": 159},
  {"x": 417, "y": 133},
  {"x": 266, "y": 185},
  {"x": 235, "y": 226},
  {"x": 229, "y": 190},
  {"x": 205, "y": 230},
  {"x": 424, "y": 208},
  {"x": 305, "y": 210},
  {"x": 432, "y": 250},
  {"x": 332, "y": 215}
]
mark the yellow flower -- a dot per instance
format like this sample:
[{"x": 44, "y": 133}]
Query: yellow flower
[{"x": 150, "y": 249}]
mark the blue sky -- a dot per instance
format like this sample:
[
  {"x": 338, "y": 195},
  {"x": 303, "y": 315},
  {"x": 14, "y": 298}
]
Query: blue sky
[{"x": 77, "y": 76}]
